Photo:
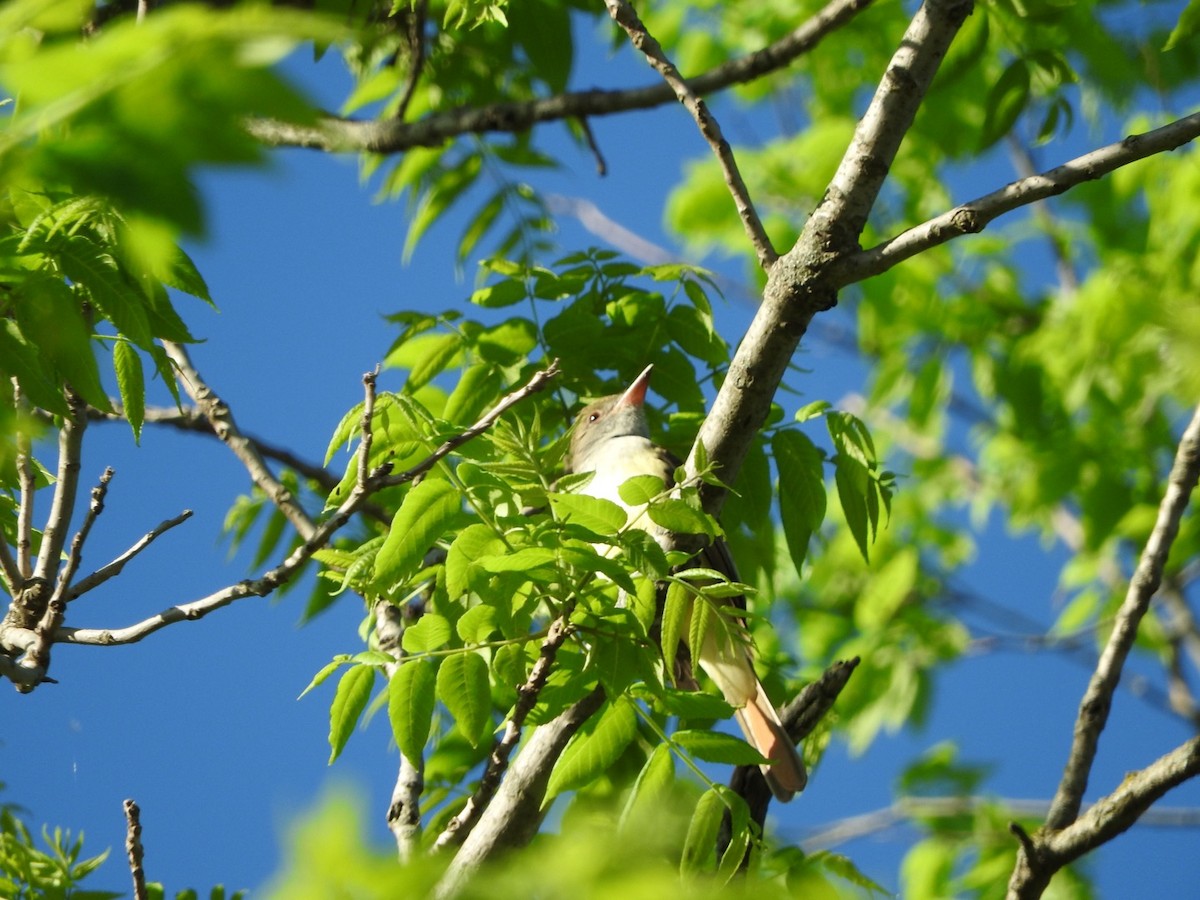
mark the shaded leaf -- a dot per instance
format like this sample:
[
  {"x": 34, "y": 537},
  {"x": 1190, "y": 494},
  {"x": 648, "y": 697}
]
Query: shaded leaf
[{"x": 411, "y": 700}]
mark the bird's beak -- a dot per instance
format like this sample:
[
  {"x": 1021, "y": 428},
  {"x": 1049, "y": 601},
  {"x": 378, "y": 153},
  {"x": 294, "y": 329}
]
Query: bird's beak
[{"x": 635, "y": 394}]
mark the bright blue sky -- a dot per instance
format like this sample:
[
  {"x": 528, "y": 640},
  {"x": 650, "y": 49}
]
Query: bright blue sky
[{"x": 200, "y": 722}]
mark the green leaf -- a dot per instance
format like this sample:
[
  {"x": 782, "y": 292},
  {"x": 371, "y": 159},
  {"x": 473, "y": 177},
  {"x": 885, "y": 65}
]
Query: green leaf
[
  {"x": 462, "y": 684},
  {"x": 1186, "y": 27},
  {"x": 678, "y": 516},
  {"x": 472, "y": 544},
  {"x": 326, "y": 670},
  {"x": 676, "y": 610},
  {"x": 699, "y": 847},
  {"x": 591, "y": 753},
  {"x": 891, "y": 586},
  {"x": 122, "y": 304},
  {"x": 23, "y": 361},
  {"x": 852, "y": 475},
  {"x": 801, "y": 490},
  {"x": 617, "y": 657},
  {"x": 812, "y": 410},
  {"x": 644, "y": 553},
  {"x": 1006, "y": 100},
  {"x": 435, "y": 353},
  {"x": 501, "y": 294},
  {"x": 411, "y": 700},
  {"x": 593, "y": 513},
  {"x": 353, "y": 692},
  {"x": 586, "y": 559},
  {"x": 431, "y": 632},
  {"x": 51, "y": 319},
  {"x": 693, "y": 331},
  {"x": 474, "y": 389},
  {"x": 183, "y": 275},
  {"x": 718, "y": 747},
  {"x": 132, "y": 384},
  {"x": 527, "y": 560},
  {"x": 641, "y": 489},
  {"x": 652, "y": 787},
  {"x": 851, "y": 479},
  {"x": 693, "y": 704},
  {"x": 543, "y": 31},
  {"x": 477, "y": 624},
  {"x": 423, "y": 517}
]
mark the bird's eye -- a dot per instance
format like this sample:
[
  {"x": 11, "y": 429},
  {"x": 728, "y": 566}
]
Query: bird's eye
[{"x": 593, "y": 417}]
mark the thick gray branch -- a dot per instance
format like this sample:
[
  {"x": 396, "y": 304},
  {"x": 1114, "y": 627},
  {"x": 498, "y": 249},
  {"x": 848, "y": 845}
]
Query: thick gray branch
[
  {"x": 798, "y": 285},
  {"x": 515, "y": 813},
  {"x": 70, "y": 450}
]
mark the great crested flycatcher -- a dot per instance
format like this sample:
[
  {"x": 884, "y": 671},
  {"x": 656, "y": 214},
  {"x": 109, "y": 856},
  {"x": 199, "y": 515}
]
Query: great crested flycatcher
[{"x": 612, "y": 440}]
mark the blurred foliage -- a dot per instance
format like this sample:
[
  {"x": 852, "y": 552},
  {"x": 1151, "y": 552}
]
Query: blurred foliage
[{"x": 1052, "y": 406}]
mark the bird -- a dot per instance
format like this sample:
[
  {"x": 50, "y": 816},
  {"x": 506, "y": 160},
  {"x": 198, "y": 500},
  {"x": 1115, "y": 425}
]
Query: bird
[{"x": 611, "y": 440}]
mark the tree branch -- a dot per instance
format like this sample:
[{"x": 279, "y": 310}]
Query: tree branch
[
  {"x": 28, "y": 487},
  {"x": 1097, "y": 700},
  {"x": 394, "y": 136},
  {"x": 380, "y": 478},
  {"x": 975, "y": 215},
  {"x": 221, "y": 418},
  {"x": 527, "y": 694},
  {"x": 192, "y": 419},
  {"x": 404, "y": 809},
  {"x": 1041, "y": 855},
  {"x": 114, "y": 568},
  {"x": 70, "y": 448},
  {"x": 625, "y": 16},
  {"x": 798, "y": 285},
  {"x": 906, "y": 809},
  {"x": 416, "y": 49},
  {"x": 799, "y": 717},
  {"x": 514, "y": 815},
  {"x": 133, "y": 849}
]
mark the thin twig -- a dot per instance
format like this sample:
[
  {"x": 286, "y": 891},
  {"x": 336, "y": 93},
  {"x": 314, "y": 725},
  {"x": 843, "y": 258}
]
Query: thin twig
[
  {"x": 416, "y": 50},
  {"x": 190, "y": 418},
  {"x": 586, "y": 127},
  {"x": 1097, "y": 700},
  {"x": 104, "y": 573},
  {"x": 537, "y": 383},
  {"x": 975, "y": 215},
  {"x": 527, "y": 694},
  {"x": 394, "y": 136},
  {"x": 75, "y": 556},
  {"x": 28, "y": 485},
  {"x": 364, "y": 449},
  {"x": 380, "y": 478},
  {"x": 9, "y": 570},
  {"x": 1068, "y": 281},
  {"x": 908, "y": 809},
  {"x": 220, "y": 416},
  {"x": 133, "y": 849},
  {"x": 625, "y": 16}
]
